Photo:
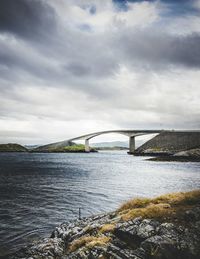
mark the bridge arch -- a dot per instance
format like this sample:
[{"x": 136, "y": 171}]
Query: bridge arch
[{"x": 129, "y": 133}]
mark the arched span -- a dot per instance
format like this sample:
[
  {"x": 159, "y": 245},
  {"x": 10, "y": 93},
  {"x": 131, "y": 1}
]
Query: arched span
[{"x": 129, "y": 133}]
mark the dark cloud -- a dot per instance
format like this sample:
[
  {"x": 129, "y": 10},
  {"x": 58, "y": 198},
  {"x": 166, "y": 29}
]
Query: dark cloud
[
  {"x": 172, "y": 7},
  {"x": 156, "y": 50},
  {"x": 26, "y": 18}
]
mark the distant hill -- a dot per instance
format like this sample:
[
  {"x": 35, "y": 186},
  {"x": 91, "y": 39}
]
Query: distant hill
[
  {"x": 12, "y": 147},
  {"x": 31, "y": 146},
  {"x": 111, "y": 145}
]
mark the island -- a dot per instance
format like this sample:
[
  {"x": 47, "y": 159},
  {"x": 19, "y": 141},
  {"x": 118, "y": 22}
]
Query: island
[
  {"x": 69, "y": 148},
  {"x": 166, "y": 227},
  {"x": 12, "y": 147}
]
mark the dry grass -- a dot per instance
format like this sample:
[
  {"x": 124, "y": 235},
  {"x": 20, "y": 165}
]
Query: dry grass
[
  {"x": 135, "y": 203},
  {"x": 151, "y": 211},
  {"x": 107, "y": 228},
  {"x": 88, "y": 242},
  {"x": 165, "y": 206}
]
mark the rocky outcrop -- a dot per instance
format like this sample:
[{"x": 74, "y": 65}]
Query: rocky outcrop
[
  {"x": 170, "y": 143},
  {"x": 189, "y": 153},
  {"x": 192, "y": 155},
  {"x": 108, "y": 236}
]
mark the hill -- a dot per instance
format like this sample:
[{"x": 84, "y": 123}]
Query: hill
[
  {"x": 168, "y": 143},
  {"x": 111, "y": 144},
  {"x": 62, "y": 147},
  {"x": 12, "y": 147}
]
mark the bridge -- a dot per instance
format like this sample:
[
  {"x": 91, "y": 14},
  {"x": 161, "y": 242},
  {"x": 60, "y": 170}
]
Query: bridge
[
  {"x": 173, "y": 140},
  {"x": 129, "y": 133}
]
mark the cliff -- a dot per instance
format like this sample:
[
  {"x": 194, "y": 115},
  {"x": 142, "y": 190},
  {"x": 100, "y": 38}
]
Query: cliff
[
  {"x": 166, "y": 227},
  {"x": 12, "y": 147}
]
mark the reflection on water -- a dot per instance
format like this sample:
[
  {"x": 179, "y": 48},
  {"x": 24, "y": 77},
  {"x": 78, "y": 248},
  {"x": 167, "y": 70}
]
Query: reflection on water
[{"x": 39, "y": 191}]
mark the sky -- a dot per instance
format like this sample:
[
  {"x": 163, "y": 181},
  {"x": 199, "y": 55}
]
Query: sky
[{"x": 71, "y": 67}]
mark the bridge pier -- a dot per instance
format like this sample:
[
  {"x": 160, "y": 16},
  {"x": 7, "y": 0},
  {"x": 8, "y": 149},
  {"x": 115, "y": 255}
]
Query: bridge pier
[
  {"x": 87, "y": 147},
  {"x": 131, "y": 144}
]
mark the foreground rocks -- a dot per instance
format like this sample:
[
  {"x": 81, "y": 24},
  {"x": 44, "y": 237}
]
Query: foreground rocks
[{"x": 138, "y": 238}]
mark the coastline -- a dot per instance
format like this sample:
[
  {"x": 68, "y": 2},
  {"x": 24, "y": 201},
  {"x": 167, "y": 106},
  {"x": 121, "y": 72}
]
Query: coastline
[
  {"x": 174, "y": 159},
  {"x": 162, "y": 227}
]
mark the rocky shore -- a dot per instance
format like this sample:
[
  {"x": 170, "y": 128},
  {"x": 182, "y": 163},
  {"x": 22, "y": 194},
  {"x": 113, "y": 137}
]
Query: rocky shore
[
  {"x": 192, "y": 155},
  {"x": 165, "y": 227}
]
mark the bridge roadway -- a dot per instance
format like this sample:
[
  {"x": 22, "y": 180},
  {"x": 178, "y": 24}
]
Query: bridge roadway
[{"x": 130, "y": 133}]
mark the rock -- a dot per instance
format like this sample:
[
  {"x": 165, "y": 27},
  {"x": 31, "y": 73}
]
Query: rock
[
  {"x": 47, "y": 248},
  {"x": 189, "y": 153},
  {"x": 137, "y": 239}
]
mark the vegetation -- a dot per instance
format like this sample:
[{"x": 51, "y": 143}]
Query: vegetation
[
  {"x": 165, "y": 208},
  {"x": 107, "y": 228},
  {"x": 169, "y": 206},
  {"x": 12, "y": 148},
  {"x": 89, "y": 242},
  {"x": 71, "y": 148}
]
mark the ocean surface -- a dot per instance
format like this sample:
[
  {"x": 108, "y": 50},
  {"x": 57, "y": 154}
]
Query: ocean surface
[{"x": 40, "y": 191}]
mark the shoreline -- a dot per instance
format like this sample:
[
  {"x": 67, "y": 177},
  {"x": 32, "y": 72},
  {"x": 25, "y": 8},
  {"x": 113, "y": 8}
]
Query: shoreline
[
  {"x": 174, "y": 159},
  {"x": 162, "y": 227}
]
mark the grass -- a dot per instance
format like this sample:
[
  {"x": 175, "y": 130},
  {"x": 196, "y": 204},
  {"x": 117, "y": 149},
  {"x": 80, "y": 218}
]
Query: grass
[
  {"x": 72, "y": 148},
  {"x": 78, "y": 147},
  {"x": 88, "y": 242},
  {"x": 107, "y": 228},
  {"x": 169, "y": 206},
  {"x": 151, "y": 211}
]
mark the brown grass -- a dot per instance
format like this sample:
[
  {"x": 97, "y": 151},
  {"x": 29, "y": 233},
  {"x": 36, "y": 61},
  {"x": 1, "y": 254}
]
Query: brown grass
[
  {"x": 88, "y": 242},
  {"x": 135, "y": 203},
  {"x": 151, "y": 211},
  {"x": 107, "y": 228},
  {"x": 165, "y": 206}
]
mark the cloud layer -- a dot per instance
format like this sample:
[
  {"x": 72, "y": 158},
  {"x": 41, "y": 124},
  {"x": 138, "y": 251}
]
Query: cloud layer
[{"x": 73, "y": 67}]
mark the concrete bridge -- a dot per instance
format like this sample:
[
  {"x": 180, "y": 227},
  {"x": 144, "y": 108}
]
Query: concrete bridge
[
  {"x": 129, "y": 133},
  {"x": 173, "y": 140}
]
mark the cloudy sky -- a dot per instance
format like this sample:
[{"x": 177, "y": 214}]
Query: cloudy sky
[{"x": 70, "y": 67}]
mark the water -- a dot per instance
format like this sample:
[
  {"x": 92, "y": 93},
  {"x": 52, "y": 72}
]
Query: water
[{"x": 40, "y": 191}]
